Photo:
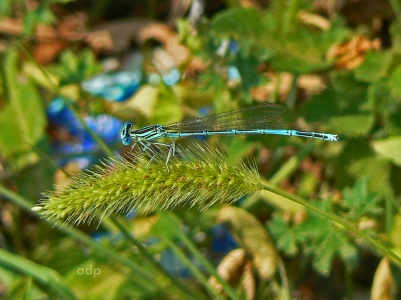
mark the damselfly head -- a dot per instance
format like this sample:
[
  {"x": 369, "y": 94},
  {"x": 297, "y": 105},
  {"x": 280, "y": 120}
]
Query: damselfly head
[{"x": 126, "y": 133}]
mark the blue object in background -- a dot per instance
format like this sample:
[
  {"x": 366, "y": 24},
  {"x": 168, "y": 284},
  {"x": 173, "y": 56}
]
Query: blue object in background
[
  {"x": 173, "y": 264},
  {"x": 223, "y": 240},
  {"x": 80, "y": 146},
  {"x": 114, "y": 86},
  {"x": 170, "y": 77},
  {"x": 234, "y": 74}
]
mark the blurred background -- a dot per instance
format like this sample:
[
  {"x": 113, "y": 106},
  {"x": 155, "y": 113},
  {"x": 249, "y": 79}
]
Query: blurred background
[{"x": 73, "y": 71}]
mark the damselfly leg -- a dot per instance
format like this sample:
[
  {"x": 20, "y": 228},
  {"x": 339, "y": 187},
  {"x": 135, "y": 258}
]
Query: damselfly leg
[{"x": 147, "y": 147}]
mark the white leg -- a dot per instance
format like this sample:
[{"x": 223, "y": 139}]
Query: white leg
[
  {"x": 147, "y": 147},
  {"x": 171, "y": 151},
  {"x": 173, "y": 146},
  {"x": 133, "y": 146}
]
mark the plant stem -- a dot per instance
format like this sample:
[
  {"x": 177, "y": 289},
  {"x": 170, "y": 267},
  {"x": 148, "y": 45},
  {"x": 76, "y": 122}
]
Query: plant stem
[
  {"x": 48, "y": 277},
  {"x": 195, "y": 271},
  {"x": 199, "y": 256},
  {"x": 143, "y": 277},
  {"x": 386, "y": 251},
  {"x": 396, "y": 6},
  {"x": 184, "y": 291}
]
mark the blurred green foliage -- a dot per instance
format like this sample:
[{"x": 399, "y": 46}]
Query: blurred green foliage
[{"x": 357, "y": 179}]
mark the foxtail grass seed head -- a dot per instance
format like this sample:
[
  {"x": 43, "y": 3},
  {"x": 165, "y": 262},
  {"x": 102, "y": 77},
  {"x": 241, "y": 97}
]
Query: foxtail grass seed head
[{"x": 199, "y": 176}]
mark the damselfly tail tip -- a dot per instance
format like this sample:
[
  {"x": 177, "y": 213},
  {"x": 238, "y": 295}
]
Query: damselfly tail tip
[{"x": 335, "y": 138}]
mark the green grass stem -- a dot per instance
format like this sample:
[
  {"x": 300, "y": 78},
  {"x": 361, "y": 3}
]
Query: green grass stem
[{"x": 381, "y": 248}]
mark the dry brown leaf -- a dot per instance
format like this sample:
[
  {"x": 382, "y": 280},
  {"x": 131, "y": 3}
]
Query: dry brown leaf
[
  {"x": 284, "y": 80},
  {"x": 383, "y": 286},
  {"x": 11, "y": 26},
  {"x": 169, "y": 39},
  {"x": 99, "y": 40},
  {"x": 61, "y": 179},
  {"x": 254, "y": 238},
  {"x": 308, "y": 84},
  {"x": 250, "y": 3},
  {"x": 314, "y": 20},
  {"x": 311, "y": 84},
  {"x": 50, "y": 41},
  {"x": 196, "y": 65},
  {"x": 248, "y": 282},
  {"x": 117, "y": 35},
  {"x": 73, "y": 27},
  {"x": 351, "y": 54},
  {"x": 45, "y": 52},
  {"x": 231, "y": 269}
]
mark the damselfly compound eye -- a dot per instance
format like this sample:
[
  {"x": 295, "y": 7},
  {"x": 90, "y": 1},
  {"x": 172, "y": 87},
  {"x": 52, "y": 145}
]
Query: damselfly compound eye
[{"x": 126, "y": 140}]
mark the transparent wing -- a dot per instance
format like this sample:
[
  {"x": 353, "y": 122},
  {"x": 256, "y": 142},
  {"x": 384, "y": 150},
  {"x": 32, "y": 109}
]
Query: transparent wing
[{"x": 263, "y": 116}]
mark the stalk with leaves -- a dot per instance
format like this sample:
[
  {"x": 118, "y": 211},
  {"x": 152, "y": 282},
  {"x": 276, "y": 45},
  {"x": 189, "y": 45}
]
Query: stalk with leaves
[{"x": 201, "y": 177}]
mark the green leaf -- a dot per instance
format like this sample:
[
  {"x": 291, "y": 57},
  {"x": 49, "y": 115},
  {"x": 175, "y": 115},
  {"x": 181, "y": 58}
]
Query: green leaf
[
  {"x": 332, "y": 243},
  {"x": 141, "y": 103},
  {"x": 290, "y": 58},
  {"x": 247, "y": 65},
  {"x": 302, "y": 51},
  {"x": 44, "y": 275},
  {"x": 41, "y": 15},
  {"x": 238, "y": 23},
  {"x": 379, "y": 97},
  {"x": 326, "y": 110},
  {"x": 395, "y": 33},
  {"x": 299, "y": 50},
  {"x": 358, "y": 159},
  {"x": 322, "y": 107},
  {"x": 167, "y": 108},
  {"x": 22, "y": 120},
  {"x": 325, "y": 240},
  {"x": 359, "y": 201},
  {"x": 394, "y": 83},
  {"x": 167, "y": 226},
  {"x": 352, "y": 124},
  {"x": 384, "y": 99},
  {"x": 389, "y": 148},
  {"x": 323, "y": 259},
  {"x": 210, "y": 80},
  {"x": 349, "y": 253},
  {"x": 91, "y": 280},
  {"x": 374, "y": 67},
  {"x": 342, "y": 107},
  {"x": 75, "y": 68},
  {"x": 345, "y": 96},
  {"x": 186, "y": 36},
  {"x": 297, "y": 64},
  {"x": 5, "y": 7},
  {"x": 23, "y": 288},
  {"x": 317, "y": 235},
  {"x": 395, "y": 231},
  {"x": 352, "y": 93},
  {"x": 375, "y": 169},
  {"x": 35, "y": 179},
  {"x": 283, "y": 234}
]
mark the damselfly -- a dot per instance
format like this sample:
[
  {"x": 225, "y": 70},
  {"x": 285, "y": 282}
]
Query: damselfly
[{"x": 259, "y": 119}]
